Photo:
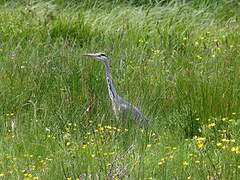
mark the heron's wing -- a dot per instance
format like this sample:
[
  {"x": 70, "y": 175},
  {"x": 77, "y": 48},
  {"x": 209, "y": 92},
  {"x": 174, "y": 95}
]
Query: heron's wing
[{"x": 129, "y": 110}]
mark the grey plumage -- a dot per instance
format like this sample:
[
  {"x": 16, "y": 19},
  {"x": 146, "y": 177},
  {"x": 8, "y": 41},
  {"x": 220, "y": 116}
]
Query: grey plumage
[{"x": 121, "y": 107}]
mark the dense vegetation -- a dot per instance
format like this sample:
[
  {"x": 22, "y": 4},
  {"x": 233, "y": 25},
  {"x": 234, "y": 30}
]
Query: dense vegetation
[{"x": 177, "y": 60}]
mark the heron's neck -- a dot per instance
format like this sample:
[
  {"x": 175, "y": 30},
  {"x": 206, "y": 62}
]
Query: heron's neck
[{"x": 111, "y": 90}]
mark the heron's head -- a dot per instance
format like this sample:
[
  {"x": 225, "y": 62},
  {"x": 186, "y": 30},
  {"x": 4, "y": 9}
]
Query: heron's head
[{"x": 100, "y": 56}]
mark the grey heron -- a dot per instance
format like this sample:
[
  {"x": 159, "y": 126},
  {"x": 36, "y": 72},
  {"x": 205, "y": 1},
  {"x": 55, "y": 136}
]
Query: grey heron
[{"x": 120, "y": 106}]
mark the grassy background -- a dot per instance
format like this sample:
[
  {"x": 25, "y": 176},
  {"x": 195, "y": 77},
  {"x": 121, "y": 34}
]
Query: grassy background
[{"x": 177, "y": 60}]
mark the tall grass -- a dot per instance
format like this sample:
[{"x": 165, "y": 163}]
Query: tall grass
[{"x": 177, "y": 61}]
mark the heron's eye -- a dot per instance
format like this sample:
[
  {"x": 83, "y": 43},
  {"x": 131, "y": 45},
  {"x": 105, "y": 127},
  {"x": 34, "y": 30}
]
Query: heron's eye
[{"x": 103, "y": 55}]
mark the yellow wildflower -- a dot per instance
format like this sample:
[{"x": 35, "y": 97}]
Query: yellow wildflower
[
  {"x": 235, "y": 149},
  {"x": 211, "y": 125},
  {"x": 201, "y": 145},
  {"x": 201, "y": 139},
  {"x": 224, "y": 147},
  {"x": 84, "y": 146},
  {"x": 108, "y": 127},
  {"x": 149, "y": 145},
  {"x": 185, "y": 163},
  {"x": 224, "y": 119},
  {"x": 210, "y": 177},
  {"x": 225, "y": 140},
  {"x": 101, "y": 129}
]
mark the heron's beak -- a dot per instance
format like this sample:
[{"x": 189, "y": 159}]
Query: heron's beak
[{"x": 90, "y": 55}]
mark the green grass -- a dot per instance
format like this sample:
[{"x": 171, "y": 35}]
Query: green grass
[{"x": 179, "y": 62}]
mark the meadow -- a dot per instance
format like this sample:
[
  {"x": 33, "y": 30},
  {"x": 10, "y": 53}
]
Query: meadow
[{"x": 176, "y": 60}]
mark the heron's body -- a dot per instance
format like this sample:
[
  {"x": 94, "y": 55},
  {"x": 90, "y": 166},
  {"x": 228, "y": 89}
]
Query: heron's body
[{"x": 121, "y": 107}]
